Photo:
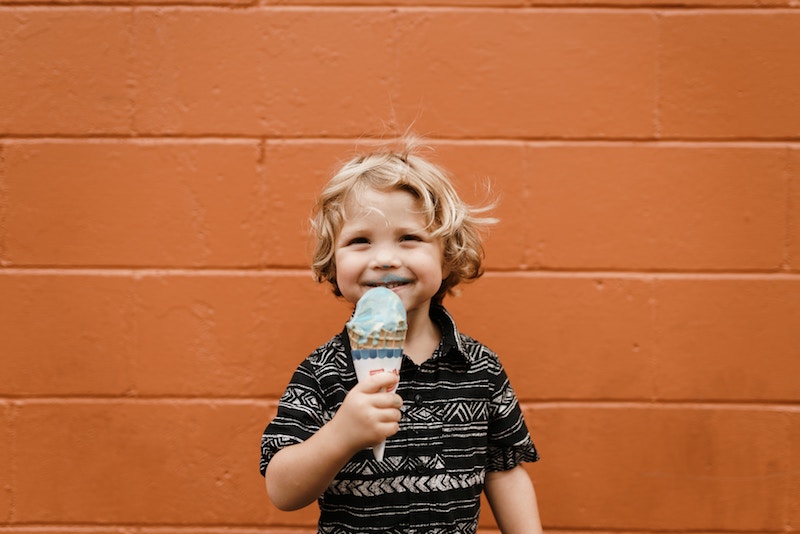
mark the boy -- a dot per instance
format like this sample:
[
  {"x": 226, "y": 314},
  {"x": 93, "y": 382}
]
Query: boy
[{"x": 454, "y": 424}]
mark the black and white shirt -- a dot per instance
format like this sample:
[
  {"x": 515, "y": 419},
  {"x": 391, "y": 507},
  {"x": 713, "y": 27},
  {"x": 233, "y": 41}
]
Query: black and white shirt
[{"x": 460, "y": 419}]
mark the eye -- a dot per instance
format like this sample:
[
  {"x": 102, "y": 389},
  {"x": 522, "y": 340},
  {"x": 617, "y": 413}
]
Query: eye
[
  {"x": 358, "y": 241},
  {"x": 410, "y": 237}
]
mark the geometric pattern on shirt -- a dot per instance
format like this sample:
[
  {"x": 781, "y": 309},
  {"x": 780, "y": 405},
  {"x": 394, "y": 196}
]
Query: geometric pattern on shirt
[
  {"x": 463, "y": 412},
  {"x": 460, "y": 528},
  {"x": 391, "y": 464},
  {"x": 406, "y": 484}
]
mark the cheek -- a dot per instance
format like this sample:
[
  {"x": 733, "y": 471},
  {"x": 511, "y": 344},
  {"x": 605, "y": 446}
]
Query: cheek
[{"x": 345, "y": 267}]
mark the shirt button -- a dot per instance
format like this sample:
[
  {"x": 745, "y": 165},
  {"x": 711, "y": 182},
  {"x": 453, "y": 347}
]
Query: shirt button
[{"x": 418, "y": 399}]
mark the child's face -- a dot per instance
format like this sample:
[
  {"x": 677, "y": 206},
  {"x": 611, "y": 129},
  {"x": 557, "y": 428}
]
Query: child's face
[{"x": 384, "y": 242}]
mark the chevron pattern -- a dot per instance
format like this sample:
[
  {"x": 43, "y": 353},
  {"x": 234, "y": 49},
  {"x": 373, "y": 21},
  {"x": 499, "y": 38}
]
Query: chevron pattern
[
  {"x": 405, "y": 483},
  {"x": 460, "y": 528}
]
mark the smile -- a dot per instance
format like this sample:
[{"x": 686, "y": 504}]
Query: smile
[{"x": 390, "y": 282}]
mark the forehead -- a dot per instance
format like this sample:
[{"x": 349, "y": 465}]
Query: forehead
[{"x": 389, "y": 203}]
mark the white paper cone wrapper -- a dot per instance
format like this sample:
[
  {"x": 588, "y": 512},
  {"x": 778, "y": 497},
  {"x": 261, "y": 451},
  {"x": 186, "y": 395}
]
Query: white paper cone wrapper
[{"x": 369, "y": 361}]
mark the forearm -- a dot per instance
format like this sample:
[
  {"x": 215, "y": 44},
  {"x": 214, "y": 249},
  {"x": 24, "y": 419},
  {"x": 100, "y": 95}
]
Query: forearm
[
  {"x": 513, "y": 500},
  {"x": 297, "y": 475}
]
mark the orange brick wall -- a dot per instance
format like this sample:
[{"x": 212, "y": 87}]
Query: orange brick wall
[{"x": 158, "y": 159}]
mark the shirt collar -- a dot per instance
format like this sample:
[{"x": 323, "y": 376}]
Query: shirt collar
[{"x": 451, "y": 339}]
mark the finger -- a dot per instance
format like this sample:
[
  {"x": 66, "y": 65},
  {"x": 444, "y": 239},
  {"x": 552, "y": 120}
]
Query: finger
[
  {"x": 388, "y": 400},
  {"x": 378, "y": 382}
]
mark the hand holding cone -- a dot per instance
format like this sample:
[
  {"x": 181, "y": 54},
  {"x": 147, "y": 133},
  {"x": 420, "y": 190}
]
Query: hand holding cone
[{"x": 377, "y": 331}]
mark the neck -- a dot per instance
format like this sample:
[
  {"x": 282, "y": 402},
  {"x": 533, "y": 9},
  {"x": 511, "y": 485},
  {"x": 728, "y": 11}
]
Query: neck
[{"x": 423, "y": 336}]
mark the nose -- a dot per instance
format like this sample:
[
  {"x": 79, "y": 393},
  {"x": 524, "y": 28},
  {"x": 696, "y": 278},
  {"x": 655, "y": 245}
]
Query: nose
[{"x": 386, "y": 257}]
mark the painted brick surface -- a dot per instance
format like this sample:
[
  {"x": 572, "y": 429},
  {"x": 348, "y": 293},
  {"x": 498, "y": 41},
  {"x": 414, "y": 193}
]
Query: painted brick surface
[
  {"x": 752, "y": 323},
  {"x": 158, "y": 162},
  {"x": 793, "y": 215},
  {"x": 122, "y": 204},
  {"x": 676, "y": 467},
  {"x": 178, "y": 476},
  {"x": 564, "y": 338},
  {"x": 677, "y": 207},
  {"x": 507, "y": 69},
  {"x": 729, "y": 75},
  {"x": 793, "y": 512},
  {"x": 65, "y": 71},
  {"x": 160, "y": 335},
  {"x": 7, "y": 452},
  {"x": 629, "y": 338},
  {"x": 286, "y": 68}
]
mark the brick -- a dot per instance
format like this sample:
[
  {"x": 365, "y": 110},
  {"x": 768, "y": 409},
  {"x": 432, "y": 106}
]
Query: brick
[
  {"x": 793, "y": 504},
  {"x": 729, "y": 75},
  {"x": 793, "y": 249},
  {"x": 206, "y": 529},
  {"x": 504, "y": 73},
  {"x": 160, "y": 334},
  {"x": 564, "y": 337},
  {"x": 249, "y": 74},
  {"x": 11, "y": 528},
  {"x": 650, "y": 467},
  {"x": 65, "y": 71},
  {"x": 3, "y": 208},
  {"x": 527, "y": 3},
  {"x": 727, "y": 339},
  {"x": 539, "y": 3},
  {"x": 140, "y": 462},
  {"x": 618, "y": 337},
  {"x": 66, "y": 335},
  {"x": 231, "y": 335},
  {"x": 134, "y": 203},
  {"x": 409, "y": 3},
  {"x": 655, "y": 207},
  {"x": 200, "y": 71},
  {"x": 236, "y": 3},
  {"x": 7, "y": 464},
  {"x": 676, "y": 4}
]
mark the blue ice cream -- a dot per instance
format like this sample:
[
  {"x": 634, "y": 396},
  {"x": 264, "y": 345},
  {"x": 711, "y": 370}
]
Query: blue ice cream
[{"x": 379, "y": 309}]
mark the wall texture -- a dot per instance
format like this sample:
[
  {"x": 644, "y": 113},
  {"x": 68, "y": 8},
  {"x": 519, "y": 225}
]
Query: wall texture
[{"x": 158, "y": 160}]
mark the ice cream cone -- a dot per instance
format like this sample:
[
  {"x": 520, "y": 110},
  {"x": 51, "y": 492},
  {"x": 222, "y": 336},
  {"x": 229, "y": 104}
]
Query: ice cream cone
[{"x": 377, "y": 331}]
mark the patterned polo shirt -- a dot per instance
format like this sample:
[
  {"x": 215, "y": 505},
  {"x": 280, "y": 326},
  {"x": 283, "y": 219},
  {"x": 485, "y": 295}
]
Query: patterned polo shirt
[{"x": 460, "y": 419}]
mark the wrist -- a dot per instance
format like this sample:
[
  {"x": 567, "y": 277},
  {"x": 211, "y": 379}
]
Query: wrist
[{"x": 339, "y": 434}]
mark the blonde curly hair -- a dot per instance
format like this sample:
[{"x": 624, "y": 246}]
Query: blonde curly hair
[{"x": 456, "y": 224}]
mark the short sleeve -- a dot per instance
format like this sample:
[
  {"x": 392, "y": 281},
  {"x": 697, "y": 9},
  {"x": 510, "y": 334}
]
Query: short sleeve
[
  {"x": 509, "y": 440},
  {"x": 300, "y": 414}
]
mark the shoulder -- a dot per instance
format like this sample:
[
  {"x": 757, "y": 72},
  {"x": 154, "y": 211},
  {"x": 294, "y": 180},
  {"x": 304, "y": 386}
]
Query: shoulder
[
  {"x": 329, "y": 366},
  {"x": 479, "y": 354},
  {"x": 332, "y": 353}
]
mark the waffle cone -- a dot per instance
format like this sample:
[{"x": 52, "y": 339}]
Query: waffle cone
[{"x": 385, "y": 339}]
